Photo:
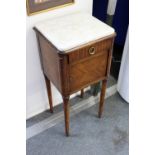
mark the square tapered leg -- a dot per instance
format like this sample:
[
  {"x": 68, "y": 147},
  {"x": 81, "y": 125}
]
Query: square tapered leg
[
  {"x": 49, "y": 93},
  {"x": 102, "y": 96},
  {"x": 66, "y": 114}
]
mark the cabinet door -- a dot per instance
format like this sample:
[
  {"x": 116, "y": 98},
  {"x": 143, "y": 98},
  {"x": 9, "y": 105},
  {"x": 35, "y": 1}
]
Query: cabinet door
[{"x": 88, "y": 71}]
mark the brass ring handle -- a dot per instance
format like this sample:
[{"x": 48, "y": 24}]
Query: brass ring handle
[{"x": 92, "y": 51}]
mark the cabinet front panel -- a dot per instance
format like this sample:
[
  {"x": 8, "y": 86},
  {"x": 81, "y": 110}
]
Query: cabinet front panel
[{"x": 88, "y": 71}]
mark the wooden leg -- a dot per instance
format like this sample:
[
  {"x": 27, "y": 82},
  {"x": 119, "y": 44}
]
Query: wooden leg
[
  {"x": 82, "y": 93},
  {"x": 66, "y": 114},
  {"x": 49, "y": 92},
  {"x": 101, "y": 104}
]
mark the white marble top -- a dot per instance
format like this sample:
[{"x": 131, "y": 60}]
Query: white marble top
[{"x": 73, "y": 30}]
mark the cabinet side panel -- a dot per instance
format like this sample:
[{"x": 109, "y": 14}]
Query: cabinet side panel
[{"x": 50, "y": 62}]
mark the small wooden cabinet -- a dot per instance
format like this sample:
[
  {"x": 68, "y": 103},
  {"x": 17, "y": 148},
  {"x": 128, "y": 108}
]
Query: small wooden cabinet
[{"x": 77, "y": 67}]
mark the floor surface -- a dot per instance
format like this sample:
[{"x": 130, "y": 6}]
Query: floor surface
[{"x": 89, "y": 134}]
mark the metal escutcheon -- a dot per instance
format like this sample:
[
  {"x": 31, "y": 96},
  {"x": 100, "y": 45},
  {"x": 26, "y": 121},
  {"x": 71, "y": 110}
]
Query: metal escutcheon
[{"x": 92, "y": 51}]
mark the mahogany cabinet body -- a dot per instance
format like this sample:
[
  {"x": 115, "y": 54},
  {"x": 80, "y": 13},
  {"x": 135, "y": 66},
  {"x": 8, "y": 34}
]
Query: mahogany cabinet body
[{"x": 74, "y": 70}]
